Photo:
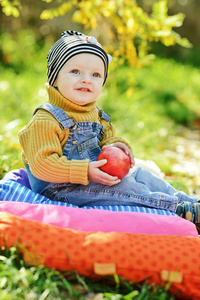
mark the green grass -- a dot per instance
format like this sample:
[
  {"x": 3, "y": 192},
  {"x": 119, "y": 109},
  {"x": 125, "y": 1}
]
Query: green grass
[
  {"x": 149, "y": 107},
  {"x": 153, "y": 106},
  {"x": 151, "y": 103}
]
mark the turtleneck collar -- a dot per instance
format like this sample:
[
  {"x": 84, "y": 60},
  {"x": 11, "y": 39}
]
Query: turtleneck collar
[{"x": 57, "y": 99}]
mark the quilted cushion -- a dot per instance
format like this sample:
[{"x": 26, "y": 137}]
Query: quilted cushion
[{"x": 136, "y": 257}]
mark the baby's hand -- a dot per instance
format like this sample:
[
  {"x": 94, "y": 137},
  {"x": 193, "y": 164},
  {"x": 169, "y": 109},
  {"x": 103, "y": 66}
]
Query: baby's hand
[
  {"x": 126, "y": 150},
  {"x": 96, "y": 175}
]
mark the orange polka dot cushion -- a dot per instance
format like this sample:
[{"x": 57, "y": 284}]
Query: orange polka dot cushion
[{"x": 157, "y": 258}]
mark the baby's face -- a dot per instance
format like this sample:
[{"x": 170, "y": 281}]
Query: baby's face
[{"x": 81, "y": 78}]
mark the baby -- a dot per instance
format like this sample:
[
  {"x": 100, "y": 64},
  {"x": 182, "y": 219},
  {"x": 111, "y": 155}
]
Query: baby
[{"x": 62, "y": 141}]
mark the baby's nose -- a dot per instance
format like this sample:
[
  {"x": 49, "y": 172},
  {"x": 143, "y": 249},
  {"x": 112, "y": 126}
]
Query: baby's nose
[{"x": 85, "y": 78}]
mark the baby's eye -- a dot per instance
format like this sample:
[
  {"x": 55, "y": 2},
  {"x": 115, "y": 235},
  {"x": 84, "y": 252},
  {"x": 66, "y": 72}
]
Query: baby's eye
[
  {"x": 96, "y": 75},
  {"x": 75, "y": 71}
]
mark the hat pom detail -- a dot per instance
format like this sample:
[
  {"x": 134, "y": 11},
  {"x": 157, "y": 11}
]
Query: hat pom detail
[
  {"x": 91, "y": 39},
  {"x": 109, "y": 58}
]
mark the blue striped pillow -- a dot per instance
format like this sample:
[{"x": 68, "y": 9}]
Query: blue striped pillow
[{"x": 13, "y": 191}]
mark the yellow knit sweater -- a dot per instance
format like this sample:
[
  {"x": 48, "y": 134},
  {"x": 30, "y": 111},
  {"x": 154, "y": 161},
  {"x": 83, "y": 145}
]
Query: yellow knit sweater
[{"x": 43, "y": 141}]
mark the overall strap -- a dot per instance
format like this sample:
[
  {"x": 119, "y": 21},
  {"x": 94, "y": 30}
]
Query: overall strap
[
  {"x": 103, "y": 115},
  {"x": 64, "y": 121}
]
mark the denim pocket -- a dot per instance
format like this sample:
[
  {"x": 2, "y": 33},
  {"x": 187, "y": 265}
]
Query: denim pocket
[
  {"x": 93, "y": 153},
  {"x": 89, "y": 149}
]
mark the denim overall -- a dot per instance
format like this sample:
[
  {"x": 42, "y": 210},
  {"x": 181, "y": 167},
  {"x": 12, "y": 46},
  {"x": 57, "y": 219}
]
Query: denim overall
[{"x": 141, "y": 188}]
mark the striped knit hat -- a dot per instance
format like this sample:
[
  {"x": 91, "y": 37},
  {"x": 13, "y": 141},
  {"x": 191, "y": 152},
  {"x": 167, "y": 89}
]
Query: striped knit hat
[{"x": 70, "y": 44}]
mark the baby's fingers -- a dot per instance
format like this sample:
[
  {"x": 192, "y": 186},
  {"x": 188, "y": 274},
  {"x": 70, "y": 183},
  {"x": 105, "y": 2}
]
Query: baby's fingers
[
  {"x": 107, "y": 179},
  {"x": 100, "y": 163}
]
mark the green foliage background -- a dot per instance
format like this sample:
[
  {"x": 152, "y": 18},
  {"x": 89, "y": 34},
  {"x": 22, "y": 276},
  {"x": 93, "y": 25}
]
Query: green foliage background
[{"x": 153, "y": 105}]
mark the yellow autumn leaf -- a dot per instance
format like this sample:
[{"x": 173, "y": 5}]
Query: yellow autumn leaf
[
  {"x": 120, "y": 29},
  {"x": 46, "y": 14},
  {"x": 93, "y": 22},
  {"x": 130, "y": 24}
]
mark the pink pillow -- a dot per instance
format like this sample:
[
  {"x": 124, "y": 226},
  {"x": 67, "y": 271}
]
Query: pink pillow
[{"x": 101, "y": 220}]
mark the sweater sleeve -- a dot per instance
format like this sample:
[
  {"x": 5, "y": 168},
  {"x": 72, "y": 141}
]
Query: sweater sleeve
[
  {"x": 110, "y": 137},
  {"x": 42, "y": 142}
]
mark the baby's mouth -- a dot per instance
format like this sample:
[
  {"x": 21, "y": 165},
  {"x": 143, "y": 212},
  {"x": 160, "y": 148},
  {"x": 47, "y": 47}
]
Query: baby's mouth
[{"x": 84, "y": 90}]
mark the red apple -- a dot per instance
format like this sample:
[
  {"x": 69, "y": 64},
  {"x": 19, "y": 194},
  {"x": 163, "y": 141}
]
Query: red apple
[{"x": 118, "y": 162}]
